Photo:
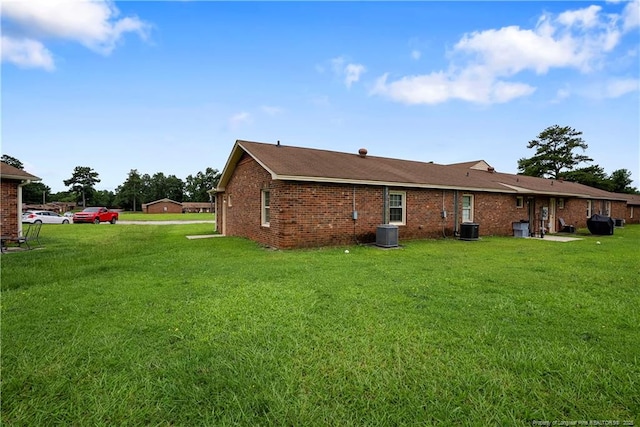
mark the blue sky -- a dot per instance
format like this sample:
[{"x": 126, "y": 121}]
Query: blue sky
[{"x": 169, "y": 86}]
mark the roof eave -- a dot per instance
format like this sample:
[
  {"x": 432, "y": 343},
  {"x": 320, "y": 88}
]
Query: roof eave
[
  {"x": 384, "y": 183},
  {"x": 230, "y": 166}
]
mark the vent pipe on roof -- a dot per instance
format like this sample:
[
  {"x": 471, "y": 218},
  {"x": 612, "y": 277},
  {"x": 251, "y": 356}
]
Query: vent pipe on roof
[
  {"x": 362, "y": 152},
  {"x": 491, "y": 169},
  {"x": 278, "y": 143}
]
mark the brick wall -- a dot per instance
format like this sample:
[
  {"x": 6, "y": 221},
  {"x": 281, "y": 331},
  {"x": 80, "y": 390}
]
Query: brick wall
[
  {"x": 308, "y": 214},
  {"x": 160, "y": 208},
  {"x": 632, "y": 214},
  {"x": 9, "y": 208},
  {"x": 239, "y": 207}
]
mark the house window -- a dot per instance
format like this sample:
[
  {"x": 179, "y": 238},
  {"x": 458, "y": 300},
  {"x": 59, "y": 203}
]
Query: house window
[
  {"x": 561, "y": 203},
  {"x": 467, "y": 208},
  {"x": 397, "y": 211},
  {"x": 266, "y": 205},
  {"x": 589, "y": 208},
  {"x": 519, "y": 202},
  {"x": 607, "y": 208},
  {"x": 631, "y": 213}
]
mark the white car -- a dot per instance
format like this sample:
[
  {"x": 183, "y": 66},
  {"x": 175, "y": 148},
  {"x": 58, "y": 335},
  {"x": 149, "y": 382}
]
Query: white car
[{"x": 45, "y": 217}]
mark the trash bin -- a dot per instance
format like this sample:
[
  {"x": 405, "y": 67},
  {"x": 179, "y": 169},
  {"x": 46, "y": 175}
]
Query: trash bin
[
  {"x": 521, "y": 229},
  {"x": 469, "y": 231}
]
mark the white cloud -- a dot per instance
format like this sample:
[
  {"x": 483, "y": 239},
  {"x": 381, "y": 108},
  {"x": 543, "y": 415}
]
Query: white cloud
[
  {"x": 416, "y": 54},
  {"x": 483, "y": 63},
  {"x": 618, "y": 87},
  {"x": 350, "y": 72},
  {"x": 272, "y": 111},
  {"x": 94, "y": 24},
  {"x": 239, "y": 119},
  {"x": 631, "y": 16},
  {"x": 587, "y": 17},
  {"x": 26, "y": 53},
  {"x": 561, "y": 94},
  {"x": 439, "y": 87}
]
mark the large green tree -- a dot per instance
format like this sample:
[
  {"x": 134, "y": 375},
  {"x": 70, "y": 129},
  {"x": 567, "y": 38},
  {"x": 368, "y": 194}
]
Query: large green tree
[
  {"x": 129, "y": 194},
  {"x": 82, "y": 182},
  {"x": 593, "y": 176},
  {"x": 170, "y": 187},
  {"x": 36, "y": 192},
  {"x": 555, "y": 153},
  {"x": 12, "y": 161},
  {"x": 196, "y": 187},
  {"x": 620, "y": 181}
]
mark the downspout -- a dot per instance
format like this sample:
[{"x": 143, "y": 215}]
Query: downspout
[
  {"x": 385, "y": 205},
  {"x": 22, "y": 184},
  {"x": 456, "y": 231}
]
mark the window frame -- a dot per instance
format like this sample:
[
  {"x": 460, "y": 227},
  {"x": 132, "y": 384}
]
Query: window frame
[
  {"x": 589, "y": 208},
  {"x": 402, "y": 207},
  {"x": 470, "y": 208},
  {"x": 519, "y": 202},
  {"x": 265, "y": 208},
  {"x": 561, "y": 203}
]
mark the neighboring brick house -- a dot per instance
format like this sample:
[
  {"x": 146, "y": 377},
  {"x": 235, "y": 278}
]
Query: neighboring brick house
[
  {"x": 162, "y": 206},
  {"x": 632, "y": 215},
  {"x": 12, "y": 180},
  {"x": 287, "y": 197},
  {"x": 197, "y": 207}
]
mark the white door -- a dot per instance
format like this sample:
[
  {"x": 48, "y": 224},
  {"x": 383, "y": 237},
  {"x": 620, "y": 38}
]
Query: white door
[{"x": 552, "y": 215}]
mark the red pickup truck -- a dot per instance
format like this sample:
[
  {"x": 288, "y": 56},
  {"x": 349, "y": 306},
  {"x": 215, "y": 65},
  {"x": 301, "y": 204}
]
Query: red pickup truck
[{"x": 96, "y": 216}]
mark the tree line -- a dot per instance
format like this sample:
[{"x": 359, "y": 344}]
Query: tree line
[
  {"x": 130, "y": 195},
  {"x": 556, "y": 158}
]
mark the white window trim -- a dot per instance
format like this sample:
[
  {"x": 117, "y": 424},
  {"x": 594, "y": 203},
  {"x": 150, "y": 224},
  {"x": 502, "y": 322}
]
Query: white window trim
[
  {"x": 589, "y": 208},
  {"x": 403, "y": 195},
  {"x": 471, "y": 207},
  {"x": 519, "y": 202},
  {"x": 607, "y": 208},
  {"x": 561, "y": 203},
  {"x": 264, "y": 208}
]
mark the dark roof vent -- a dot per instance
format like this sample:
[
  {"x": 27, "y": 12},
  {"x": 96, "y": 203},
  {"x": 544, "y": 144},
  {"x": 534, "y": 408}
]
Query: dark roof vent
[
  {"x": 491, "y": 169},
  {"x": 362, "y": 152}
]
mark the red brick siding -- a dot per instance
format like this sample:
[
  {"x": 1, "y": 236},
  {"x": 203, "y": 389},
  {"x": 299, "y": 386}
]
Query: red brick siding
[
  {"x": 632, "y": 214},
  {"x": 159, "y": 207},
  {"x": 239, "y": 207},
  {"x": 9, "y": 208}
]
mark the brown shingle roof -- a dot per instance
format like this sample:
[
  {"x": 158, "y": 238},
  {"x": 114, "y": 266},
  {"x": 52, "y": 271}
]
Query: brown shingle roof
[
  {"x": 11, "y": 172},
  {"x": 305, "y": 164},
  {"x": 632, "y": 199}
]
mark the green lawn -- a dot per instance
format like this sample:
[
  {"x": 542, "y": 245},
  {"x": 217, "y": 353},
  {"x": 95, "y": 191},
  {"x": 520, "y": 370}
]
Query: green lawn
[
  {"x": 137, "y": 325},
  {"x": 139, "y": 216}
]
